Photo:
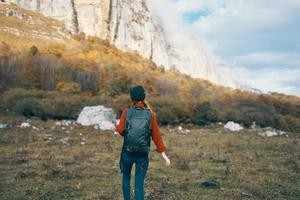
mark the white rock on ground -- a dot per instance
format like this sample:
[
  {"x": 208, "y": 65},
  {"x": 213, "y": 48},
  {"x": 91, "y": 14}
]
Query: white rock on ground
[
  {"x": 3, "y": 126},
  {"x": 64, "y": 123},
  {"x": 25, "y": 125},
  {"x": 65, "y": 140},
  {"x": 270, "y": 132},
  {"x": 253, "y": 126},
  {"x": 35, "y": 128},
  {"x": 104, "y": 117},
  {"x": 186, "y": 131},
  {"x": 232, "y": 126},
  {"x": 182, "y": 130}
]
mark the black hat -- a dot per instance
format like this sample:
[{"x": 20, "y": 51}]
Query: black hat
[{"x": 137, "y": 93}]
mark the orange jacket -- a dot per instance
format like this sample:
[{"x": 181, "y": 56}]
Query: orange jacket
[{"x": 156, "y": 136}]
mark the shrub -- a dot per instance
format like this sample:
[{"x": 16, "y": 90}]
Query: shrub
[
  {"x": 10, "y": 98},
  {"x": 43, "y": 104},
  {"x": 30, "y": 73},
  {"x": 119, "y": 103},
  {"x": 204, "y": 113},
  {"x": 169, "y": 110},
  {"x": 64, "y": 106},
  {"x": 118, "y": 85},
  {"x": 70, "y": 87},
  {"x": 293, "y": 124},
  {"x": 30, "y": 107}
]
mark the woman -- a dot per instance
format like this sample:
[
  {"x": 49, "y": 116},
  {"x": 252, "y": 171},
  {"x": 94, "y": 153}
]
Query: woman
[{"x": 135, "y": 149}]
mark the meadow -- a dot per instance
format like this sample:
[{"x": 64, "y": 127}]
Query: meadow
[{"x": 75, "y": 162}]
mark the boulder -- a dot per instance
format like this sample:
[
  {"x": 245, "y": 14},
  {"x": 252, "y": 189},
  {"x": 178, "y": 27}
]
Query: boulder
[
  {"x": 25, "y": 125},
  {"x": 232, "y": 126},
  {"x": 104, "y": 117},
  {"x": 5, "y": 126},
  {"x": 270, "y": 132}
]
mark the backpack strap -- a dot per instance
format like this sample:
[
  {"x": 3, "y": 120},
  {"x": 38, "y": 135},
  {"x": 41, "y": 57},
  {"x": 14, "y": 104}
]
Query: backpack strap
[{"x": 128, "y": 115}]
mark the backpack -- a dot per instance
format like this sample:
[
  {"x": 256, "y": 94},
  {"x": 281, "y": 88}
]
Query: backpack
[{"x": 137, "y": 137}]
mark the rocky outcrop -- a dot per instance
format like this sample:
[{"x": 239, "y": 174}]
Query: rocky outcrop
[
  {"x": 27, "y": 24},
  {"x": 130, "y": 26}
]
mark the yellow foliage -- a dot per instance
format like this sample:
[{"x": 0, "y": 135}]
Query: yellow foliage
[
  {"x": 70, "y": 87},
  {"x": 86, "y": 94}
]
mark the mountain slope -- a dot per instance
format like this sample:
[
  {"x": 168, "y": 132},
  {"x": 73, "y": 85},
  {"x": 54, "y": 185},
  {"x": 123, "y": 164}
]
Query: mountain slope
[
  {"x": 20, "y": 22},
  {"x": 130, "y": 26}
]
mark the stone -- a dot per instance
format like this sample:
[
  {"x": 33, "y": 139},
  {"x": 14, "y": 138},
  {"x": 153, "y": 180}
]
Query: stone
[
  {"x": 35, "y": 128},
  {"x": 253, "y": 126},
  {"x": 5, "y": 126},
  {"x": 232, "y": 126},
  {"x": 64, "y": 123},
  {"x": 101, "y": 116},
  {"x": 25, "y": 125},
  {"x": 270, "y": 132}
]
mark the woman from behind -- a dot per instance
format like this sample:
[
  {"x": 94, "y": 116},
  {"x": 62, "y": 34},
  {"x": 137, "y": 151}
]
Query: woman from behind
[{"x": 138, "y": 124}]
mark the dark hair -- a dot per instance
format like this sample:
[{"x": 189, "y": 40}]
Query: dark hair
[{"x": 137, "y": 93}]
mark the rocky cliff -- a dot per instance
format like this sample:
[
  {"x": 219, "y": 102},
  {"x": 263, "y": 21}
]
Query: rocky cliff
[
  {"x": 25, "y": 24},
  {"x": 130, "y": 25}
]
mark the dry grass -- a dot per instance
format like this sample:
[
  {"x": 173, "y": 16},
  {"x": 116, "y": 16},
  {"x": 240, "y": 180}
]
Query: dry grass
[{"x": 44, "y": 164}]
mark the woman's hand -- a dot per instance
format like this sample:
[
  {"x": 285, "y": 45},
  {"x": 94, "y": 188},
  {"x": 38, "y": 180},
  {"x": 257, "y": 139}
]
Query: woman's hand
[{"x": 168, "y": 162}]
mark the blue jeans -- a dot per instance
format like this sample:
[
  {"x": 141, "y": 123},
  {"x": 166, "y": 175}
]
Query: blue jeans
[{"x": 141, "y": 166}]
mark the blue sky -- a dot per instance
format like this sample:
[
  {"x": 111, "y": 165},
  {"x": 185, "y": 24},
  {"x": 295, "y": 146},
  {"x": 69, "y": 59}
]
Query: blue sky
[{"x": 259, "y": 40}]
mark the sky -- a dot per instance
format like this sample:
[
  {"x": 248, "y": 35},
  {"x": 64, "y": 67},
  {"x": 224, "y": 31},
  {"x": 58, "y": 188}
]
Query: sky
[{"x": 259, "y": 40}]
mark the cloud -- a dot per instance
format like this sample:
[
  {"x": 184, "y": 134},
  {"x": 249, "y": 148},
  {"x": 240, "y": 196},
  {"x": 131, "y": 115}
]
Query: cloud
[
  {"x": 263, "y": 59},
  {"x": 259, "y": 36},
  {"x": 281, "y": 80}
]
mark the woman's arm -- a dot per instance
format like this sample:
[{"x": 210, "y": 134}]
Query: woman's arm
[
  {"x": 121, "y": 126},
  {"x": 157, "y": 138},
  {"x": 168, "y": 162}
]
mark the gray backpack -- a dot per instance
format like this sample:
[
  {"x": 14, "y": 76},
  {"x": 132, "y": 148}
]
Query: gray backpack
[{"x": 137, "y": 138}]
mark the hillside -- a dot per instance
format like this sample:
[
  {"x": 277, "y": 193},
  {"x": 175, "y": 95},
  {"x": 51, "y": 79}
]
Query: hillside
[
  {"x": 49, "y": 73},
  {"x": 134, "y": 26}
]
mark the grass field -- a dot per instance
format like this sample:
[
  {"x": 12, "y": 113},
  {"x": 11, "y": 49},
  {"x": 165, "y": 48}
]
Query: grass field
[{"x": 74, "y": 162}]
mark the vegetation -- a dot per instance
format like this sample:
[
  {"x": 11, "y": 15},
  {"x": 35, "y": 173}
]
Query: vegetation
[
  {"x": 53, "y": 163},
  {"x": 56, "y": 75},
  {"x": 47, "y": 105}
]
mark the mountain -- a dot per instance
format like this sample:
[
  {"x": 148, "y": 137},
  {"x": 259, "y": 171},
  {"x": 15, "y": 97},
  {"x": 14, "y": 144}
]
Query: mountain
[{"x": 131, "y": 26}]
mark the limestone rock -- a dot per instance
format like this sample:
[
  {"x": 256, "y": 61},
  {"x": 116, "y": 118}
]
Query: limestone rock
[
  {"x": 270, "y": 132},
  {"x": 103, "y": 117},
  {"x": 232, "y": 126}
]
